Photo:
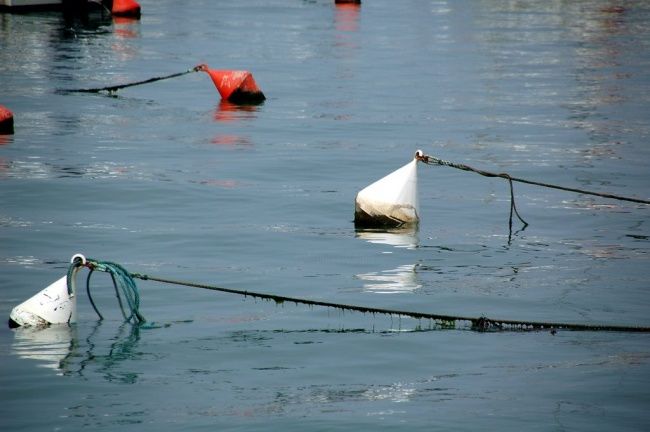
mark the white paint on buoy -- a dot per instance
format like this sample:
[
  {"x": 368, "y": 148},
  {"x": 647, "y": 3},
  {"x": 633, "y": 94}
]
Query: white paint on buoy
[
  {"x": 391, "y": 200},
  {"x": 53, "y": 305}
]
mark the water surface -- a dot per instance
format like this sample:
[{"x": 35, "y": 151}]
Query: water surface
[{"x": 165, "y": 179}]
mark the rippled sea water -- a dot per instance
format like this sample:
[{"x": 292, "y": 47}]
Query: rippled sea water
[{"x": 167, "y": 180}]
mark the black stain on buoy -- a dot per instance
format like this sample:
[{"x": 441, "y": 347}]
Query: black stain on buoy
[
  {"x": 365, "y": 220},
  {"x": 244, "y": 97},
  {"x": 13, "y": 324}
]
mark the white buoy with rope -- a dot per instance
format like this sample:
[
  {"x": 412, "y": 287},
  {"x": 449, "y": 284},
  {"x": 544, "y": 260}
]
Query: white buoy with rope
[
  {"x": 55, "y": 304},
  {"x": 390, "y": 201}
]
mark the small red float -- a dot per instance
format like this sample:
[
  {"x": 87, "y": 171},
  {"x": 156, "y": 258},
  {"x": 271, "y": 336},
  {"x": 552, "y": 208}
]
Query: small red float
[
  {"x": 6, "y": 121},
  {"x": 346, "y": 17},
  {"x": 238, "y": 87},
  {"x": 126, "y": 8}
]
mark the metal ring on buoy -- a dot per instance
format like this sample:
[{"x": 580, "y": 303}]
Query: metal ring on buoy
[
  {"x": 420, "y": 156},
  {"x": 75, "y": 256}
]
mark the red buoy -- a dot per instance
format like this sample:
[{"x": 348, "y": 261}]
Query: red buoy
[
  {"x": 6, "y": 121},
  {"x": 126, "y": 8},
  {"x": 237, "y": 87},
  {"x": 347, "y": 17}
]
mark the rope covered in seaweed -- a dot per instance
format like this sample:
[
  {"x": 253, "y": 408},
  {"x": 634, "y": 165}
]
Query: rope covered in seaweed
[
  {"x": 126, "y": 287},
  {"x": 477, "y": 323}
]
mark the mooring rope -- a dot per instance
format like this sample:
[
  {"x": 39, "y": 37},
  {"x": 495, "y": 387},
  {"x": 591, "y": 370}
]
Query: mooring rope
[
  {"x": 430, "y": 160},
  {"x": 124, "y": 284},
  {"x": 112, "y": 89},
  {"x": 477, "y": 323}
]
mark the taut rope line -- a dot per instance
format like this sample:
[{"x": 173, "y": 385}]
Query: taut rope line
[
  {"x": 478, "y": 323},
  {"x": 112, "y": 89}
]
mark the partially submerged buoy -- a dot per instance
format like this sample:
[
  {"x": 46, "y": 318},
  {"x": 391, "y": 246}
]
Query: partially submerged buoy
[
  {"x": 235, "y": 86},
  {"x": 126, "y": 8},
  {"x": 6, "y": 121},
  {"x": 55, "y": 304},
  {"x": 391, "y": 201}
]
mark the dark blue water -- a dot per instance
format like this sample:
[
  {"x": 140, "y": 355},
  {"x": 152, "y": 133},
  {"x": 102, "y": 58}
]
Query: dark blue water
[{"x": 167, "y": 180}]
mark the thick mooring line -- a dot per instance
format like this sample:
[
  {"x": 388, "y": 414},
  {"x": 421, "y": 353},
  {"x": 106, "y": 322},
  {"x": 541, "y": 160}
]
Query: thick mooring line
[
  {"x": 477, "y": 323},
  {"x": 112, "y": 89}
]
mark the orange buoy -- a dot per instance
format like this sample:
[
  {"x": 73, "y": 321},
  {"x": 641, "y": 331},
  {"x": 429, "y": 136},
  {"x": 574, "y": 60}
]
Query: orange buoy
[
  {"x": 237, "y": 87},
  {"x": 6, "y": 121},
  {"x": 126, "y": 8},
  {"x": 346, "y": 17}
]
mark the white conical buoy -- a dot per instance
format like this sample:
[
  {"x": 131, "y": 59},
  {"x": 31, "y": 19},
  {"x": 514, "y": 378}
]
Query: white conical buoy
[
  {"x": 391, "y": 200},
  {"x": 53, "y": 305}
]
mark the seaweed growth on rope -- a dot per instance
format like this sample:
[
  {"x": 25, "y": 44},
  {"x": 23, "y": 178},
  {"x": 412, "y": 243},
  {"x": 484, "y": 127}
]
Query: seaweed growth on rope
[{"x": 125, "y": 287}]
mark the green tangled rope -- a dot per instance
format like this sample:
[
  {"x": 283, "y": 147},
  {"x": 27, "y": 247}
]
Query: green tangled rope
[{"x": 126, "y": 289}]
